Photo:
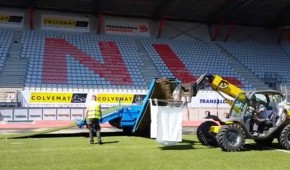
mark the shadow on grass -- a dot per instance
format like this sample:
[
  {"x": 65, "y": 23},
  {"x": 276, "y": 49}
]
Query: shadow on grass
[
  {"x": 184, "y": 145},
  {"x": 256, "y": 147},
  {"x": 74, "y": 135},
  {"x": 109, "y": 142},
  {"x": 177, "y": 147},
  {"x": 190, "y": 142}
]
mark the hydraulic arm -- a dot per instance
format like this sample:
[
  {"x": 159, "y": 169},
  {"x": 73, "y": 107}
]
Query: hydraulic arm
[{"x": 217, "y": 84}]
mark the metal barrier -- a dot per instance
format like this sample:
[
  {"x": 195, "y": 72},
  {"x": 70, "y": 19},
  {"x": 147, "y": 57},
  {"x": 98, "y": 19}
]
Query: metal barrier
[
  {"x": 32, "y": 114},
  {"x": 285, "y": 90}
]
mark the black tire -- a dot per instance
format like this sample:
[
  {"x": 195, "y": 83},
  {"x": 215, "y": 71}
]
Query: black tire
[
  {"x": 284, "y": 138},
  {"x": 278, "y": 139},
  {"x": 203, "y": 135},
  {"x": 231, "y": 138},
  {"x": 264, "y": 142}
]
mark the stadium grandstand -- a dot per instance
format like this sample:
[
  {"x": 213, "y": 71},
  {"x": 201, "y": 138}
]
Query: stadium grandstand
[{"x": 117, "y": 48}]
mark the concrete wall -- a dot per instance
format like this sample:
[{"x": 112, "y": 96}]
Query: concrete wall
[{"x": 33, "y": 114}]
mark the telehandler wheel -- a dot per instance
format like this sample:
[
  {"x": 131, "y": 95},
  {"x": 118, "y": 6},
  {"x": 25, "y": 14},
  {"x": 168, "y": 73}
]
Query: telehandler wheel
[
  {"x": 264, "y": 142},
  {"x": 203, "y": 135},
  {"x": 231, "y": 137},
  {"x": 284, "y": 138}
]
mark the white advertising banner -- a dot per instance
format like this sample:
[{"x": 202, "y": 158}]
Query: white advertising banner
[
  {"x": 204, "y": 99},
  {"x": 11, "y": 19},
  {"x": 71, "y": 99},
  {"x": 127, "y": 28},
  {"x": 65, "y": 23},
  {"x": 208, "y": 99}
]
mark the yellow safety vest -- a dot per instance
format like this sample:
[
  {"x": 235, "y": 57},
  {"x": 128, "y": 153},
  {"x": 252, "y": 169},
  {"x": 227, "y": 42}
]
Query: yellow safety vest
[{"x": 94, "y": 110}]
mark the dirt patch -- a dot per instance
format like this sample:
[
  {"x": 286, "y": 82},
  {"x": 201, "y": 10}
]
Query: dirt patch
[{"x": 166, "y": 88}]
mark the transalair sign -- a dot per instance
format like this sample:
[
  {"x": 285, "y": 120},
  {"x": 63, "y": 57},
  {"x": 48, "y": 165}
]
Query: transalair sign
[{"x": 118, "y": 27}]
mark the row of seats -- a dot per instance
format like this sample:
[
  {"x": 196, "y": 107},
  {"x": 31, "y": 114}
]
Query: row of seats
[
  {"x": 6, "y": 40},
  {"x": 196, "y": 59},
  {"x": 76, "y": 61},
  {"x": 261, "y": 58},
  {"x": 84, "y": 59}
]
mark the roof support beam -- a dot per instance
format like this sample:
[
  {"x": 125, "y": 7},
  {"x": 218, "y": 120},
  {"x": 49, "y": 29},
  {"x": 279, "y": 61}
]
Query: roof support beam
[
  {"x": 229, "y": 31},
  {"x": 100, "y": 21},
  {"x": 217, "y": 30},
  {"x": 160, "y": 28},
  {"x": 279, "y": 35},
  {"x": 30, "y": 14},
  {"x": 226, "y": 10},
  {"x": 281, "y": 16},
  {"x": 230, "y": 10},
  {"x": 97, "y": 6},
  {"x": 245, "y": 4}
]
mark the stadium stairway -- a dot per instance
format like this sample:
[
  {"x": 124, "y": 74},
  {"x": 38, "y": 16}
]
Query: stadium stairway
[
  {"x": 147, "y": 70},
  {"x": 173, "y": 63},
  {"x": 257, "y": 83},
  {"x": 14, "y": 70}
]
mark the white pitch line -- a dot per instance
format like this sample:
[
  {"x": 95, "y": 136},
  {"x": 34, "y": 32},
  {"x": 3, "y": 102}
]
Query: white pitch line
[{"x": 281, "y": 150}]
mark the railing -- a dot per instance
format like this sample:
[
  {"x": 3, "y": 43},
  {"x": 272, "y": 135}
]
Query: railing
[
  {"x": 285, "y": 90},
  {"x": 273, "y": 79}
]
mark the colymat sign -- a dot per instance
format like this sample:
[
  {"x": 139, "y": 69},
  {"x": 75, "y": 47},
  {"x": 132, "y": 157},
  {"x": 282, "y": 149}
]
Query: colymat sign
[
  {"x": 65, "y": 23},
  {"x": 204, "y": 99},
  {"x": 69, "y": 99},
  {"x": 11, "y": 19}
]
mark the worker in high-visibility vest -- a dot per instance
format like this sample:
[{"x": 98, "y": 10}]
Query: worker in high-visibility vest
[{"x": 93, "y": 116}]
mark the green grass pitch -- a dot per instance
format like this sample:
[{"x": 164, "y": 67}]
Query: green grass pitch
[{"x": 132, "y": 153}]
